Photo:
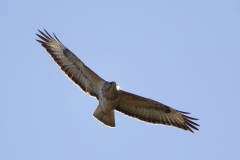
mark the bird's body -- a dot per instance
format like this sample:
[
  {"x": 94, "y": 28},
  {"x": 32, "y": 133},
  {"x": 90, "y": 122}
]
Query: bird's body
[
  {"x": 109, "y": 94},
  {"x": 108, "y": 102}
]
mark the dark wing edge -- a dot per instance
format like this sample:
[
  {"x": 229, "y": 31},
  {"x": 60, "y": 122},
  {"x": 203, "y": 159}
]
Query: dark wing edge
[
  {"x": 150, "y": 111},
  {"x": 70, "y": 64}
]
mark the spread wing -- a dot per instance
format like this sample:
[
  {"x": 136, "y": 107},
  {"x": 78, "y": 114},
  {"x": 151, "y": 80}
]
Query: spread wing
[
  {"x": 154, "y": 112},
  {"x": 71, "y": 65}
]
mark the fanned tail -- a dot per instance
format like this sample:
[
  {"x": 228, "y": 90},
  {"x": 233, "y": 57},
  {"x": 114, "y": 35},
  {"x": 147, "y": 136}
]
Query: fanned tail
[{"x": 107, "y": 119}]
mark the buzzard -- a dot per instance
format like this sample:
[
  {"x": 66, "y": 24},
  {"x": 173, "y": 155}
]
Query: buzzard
[{"x": 109, "y": 94}]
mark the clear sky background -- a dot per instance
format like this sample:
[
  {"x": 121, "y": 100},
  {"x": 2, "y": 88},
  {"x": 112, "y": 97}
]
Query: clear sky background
[{"x": 184, "y": 54}]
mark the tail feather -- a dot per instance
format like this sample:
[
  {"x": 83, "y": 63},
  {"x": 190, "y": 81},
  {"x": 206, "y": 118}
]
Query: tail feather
[{"x": 107, "y": 119}]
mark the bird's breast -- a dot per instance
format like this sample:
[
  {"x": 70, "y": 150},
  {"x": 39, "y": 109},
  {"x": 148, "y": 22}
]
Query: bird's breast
[{"x": 108, "y": 104}]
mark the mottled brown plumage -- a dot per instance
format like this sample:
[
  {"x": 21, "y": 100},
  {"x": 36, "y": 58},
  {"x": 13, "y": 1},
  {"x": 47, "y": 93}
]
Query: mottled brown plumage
[{"x": 109, "y": 94}]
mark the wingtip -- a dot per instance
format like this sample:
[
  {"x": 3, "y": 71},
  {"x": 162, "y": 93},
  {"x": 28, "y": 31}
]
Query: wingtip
[{"x": 56, "y": 37}]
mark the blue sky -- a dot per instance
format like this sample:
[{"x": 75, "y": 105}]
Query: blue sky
[{"x": 183, "y": 54}]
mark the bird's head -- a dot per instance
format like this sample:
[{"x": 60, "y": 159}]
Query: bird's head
[
  {"x": 110, "y": 89},
  {"x": 114, "y": 86}
]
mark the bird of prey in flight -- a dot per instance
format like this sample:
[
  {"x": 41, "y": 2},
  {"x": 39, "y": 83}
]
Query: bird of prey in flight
[{"x": 109, "y": 94}]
